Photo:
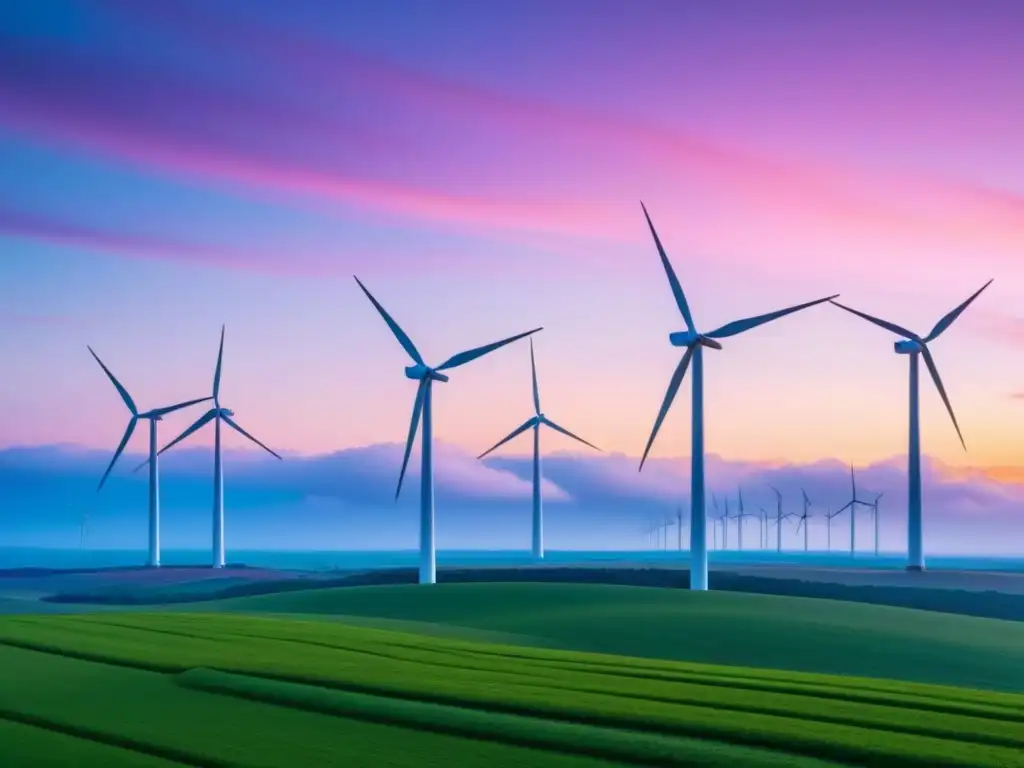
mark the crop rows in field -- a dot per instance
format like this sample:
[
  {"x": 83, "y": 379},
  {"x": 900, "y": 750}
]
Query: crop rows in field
[
  {"x": 158, "y": 723},
  {"x": 928, "y": 727}
]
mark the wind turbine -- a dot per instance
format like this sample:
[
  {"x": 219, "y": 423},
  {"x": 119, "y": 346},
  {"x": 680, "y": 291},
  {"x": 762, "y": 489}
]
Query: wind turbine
[
  {"x": 694, "y": 343},
  {"x": 852, "y": 506},
  {"x": 741, "y": 515},
  {"x": 679, "y": 522},
  {"x": 828, "y": 517},
  {"x": 804, "y": 516},
  {"x": 874, "y": 513},
  {"x": 152, "y": 416},
  {"x": 217, "y": 414},
  {"x": 915, "y": 346},
  {"x": 423, "y": 406},
  {"x": 535, "y": 422},
  {"x": 720, "y": 517},
  {"x": 779, "y": 517}
]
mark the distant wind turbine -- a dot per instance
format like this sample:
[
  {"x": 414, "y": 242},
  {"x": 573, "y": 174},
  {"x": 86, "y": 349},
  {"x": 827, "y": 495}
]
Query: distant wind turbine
[
  {"x": 779, "y": 517},
  {"x": 803, "y": 518},
  {"x": 152, "y": 417},
  {"x": 217, "y": 414},
  {"x": 741, "y": 516},
  {"x": 679, "y": 522},
  {"x": 423, "y": 406},
  {"x": 828, "y": 518},
  {"x": 915, "y": 346},
  {"x": 694, "y": 343},
  {"x": 852, "y": 506},
  {"x": 874, "y": 514},
  {"x": 535, "y": 422}
]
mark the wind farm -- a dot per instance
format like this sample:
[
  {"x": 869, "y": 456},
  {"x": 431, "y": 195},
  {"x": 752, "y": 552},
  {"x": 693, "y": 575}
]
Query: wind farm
[{"x": 791, "y": 565}]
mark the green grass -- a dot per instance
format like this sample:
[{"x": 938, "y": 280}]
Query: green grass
[
  {"x": 26, "y": 745},
  {"x": 150, "y": 713},
  {"x": 812, "y": 716},
  {"x": 763, "y": 631}
]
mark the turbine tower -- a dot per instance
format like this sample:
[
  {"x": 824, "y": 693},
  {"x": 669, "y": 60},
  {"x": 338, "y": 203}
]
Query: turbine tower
[
  {"x": 679, "y": 522},
  {"x": 803, "y": 518},
  {"x": 152, "y": 417},
  {"x": 915, "y": 347},
  {"x": 535, "y": 422},
  {"x": 426, "y": 376},
  {"x": 694, "y": 343},
  {"x": 852, "y": 506},
  {"x": 217, "y": 414}
]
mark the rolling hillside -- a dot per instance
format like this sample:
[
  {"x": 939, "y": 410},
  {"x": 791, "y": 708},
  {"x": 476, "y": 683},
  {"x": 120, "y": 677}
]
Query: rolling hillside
[{"x": 714, "y": 627}]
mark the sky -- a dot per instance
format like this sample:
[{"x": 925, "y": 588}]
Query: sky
[{"x": 169, "y": 168}]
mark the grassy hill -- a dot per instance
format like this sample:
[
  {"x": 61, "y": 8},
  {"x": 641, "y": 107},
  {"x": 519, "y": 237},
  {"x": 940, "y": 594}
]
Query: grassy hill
[
  {"x": 236, "y": 690},
  {"x": 713, "y": 627}
]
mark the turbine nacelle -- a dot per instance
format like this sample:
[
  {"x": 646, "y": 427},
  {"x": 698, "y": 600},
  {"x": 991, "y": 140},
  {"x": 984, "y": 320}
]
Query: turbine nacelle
[
  {"x": 420, "y": 372},
  {"x": 907, "y": 347},
  {"x": 222, "y": 412},
  {"x": 691, "y": 339}
]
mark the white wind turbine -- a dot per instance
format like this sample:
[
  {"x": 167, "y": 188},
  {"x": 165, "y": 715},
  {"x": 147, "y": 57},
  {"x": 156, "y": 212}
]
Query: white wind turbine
[
  {"x": 694, "y": 342},
  {"x": 426, "y": 376},
  {"x": 535, "y": 422},
  {"x": 152, "y": 416},
  {"x": 217, "y": 414},
  {"x": 852, "y": 506},
  {"x": 803, "y": 518},
  {"x": 914, "y": 347}
]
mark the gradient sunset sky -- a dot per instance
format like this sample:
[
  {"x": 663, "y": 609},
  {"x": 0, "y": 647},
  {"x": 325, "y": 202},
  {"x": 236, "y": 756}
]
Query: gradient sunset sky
[{"x": 169, "y": 167}]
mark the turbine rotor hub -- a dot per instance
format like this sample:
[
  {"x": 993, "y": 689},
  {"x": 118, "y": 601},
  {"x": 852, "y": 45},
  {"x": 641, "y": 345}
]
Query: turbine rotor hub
[
  {"x": 420, "y": 372},
  {"x": 907, "y": 347},
  {"x": 225, "y": 412},
  {"x": 692, "y": 339}
]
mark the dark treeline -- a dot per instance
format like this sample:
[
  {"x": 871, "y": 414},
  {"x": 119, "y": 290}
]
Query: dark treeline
[{"x": 994, "y": 605}]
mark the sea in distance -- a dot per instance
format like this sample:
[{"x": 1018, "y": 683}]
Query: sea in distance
[{"x": 366, "y": 560}]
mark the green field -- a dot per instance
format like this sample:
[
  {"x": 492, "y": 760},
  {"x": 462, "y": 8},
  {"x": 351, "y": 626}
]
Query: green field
[
  {"x": 789, "y": 633},
  {"x": 228, "y": 689}
]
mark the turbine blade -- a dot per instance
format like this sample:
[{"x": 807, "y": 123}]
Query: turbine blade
[
  {"x": 198, "y": 424},
  {"x": 413, "y": 426},
  {"x": 511, "y": 435},
  {"x": 472, "y": 354},
  {"x": 846, "y": 506},
  {"x": 673, "y": 281},
  {"x": 799, "y": 524},
  {"x": 947, "y": 321},
  {"x": 231, "y": 423},
  {"x": 403, "y": 339},
  {"x": 670, "y": 395},
  {"x": 930, "y": 362},
  {"x": 117, "y": 385},
  {"x": 220, "y": 363},
  {"x": 172, "y": 408},
  {"x": 120, "y": 448},
  {"x": 567, "y": 433},
  {"x": 898, "y": 330},
  {"x": 740, "y": 326},
  {"x": 807, "y": 501},
  {"x": 536, "y": 389}
]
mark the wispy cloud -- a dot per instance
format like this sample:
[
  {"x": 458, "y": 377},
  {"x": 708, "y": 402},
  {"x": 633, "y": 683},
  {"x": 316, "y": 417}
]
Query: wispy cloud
[
  {"x": 47, "y": 228},
  {"x": 573, "y": 162}
]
